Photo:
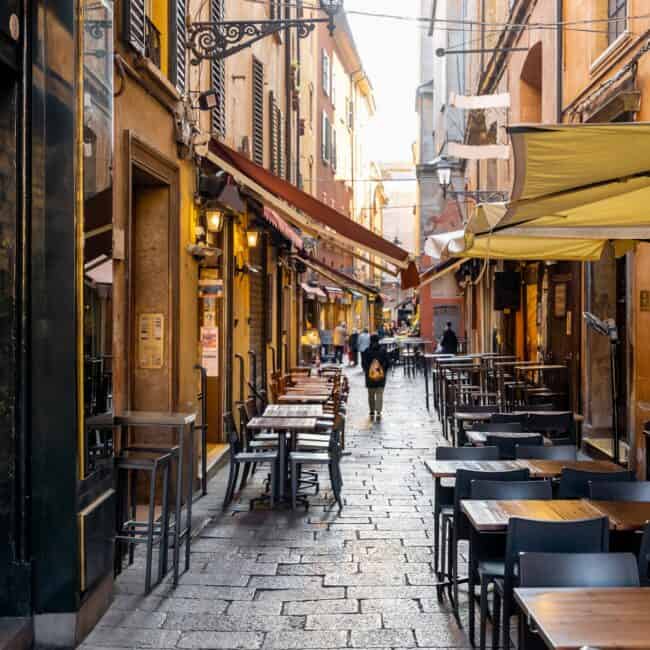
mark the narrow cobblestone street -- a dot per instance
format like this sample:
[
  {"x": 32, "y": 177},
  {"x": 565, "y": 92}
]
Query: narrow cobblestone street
[{"x": 317, "y": 579}]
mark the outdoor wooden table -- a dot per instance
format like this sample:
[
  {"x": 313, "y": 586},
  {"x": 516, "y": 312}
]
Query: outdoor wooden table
[
  {"x": 597, "y": 618},
  {"x": 624, "y": 515},
  {"x": 293, "y": 411},
  {"x": 553, "y": 468},
  {"x": 493, "y": 516},
  {"x": 289, "y": 425},
  {"x": 538, "y": 468},
  {"x": 303, "y": 398},
  {"x": 480, "y": 437}
]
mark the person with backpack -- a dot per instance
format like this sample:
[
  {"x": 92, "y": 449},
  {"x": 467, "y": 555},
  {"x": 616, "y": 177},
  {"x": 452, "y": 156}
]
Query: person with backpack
[{"x": 375, "y": 362}]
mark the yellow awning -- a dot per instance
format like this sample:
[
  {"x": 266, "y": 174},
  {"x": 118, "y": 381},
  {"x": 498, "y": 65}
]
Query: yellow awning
[{"x": 589, "y": 181}]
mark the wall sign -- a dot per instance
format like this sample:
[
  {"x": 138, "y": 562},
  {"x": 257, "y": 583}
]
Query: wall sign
[
  {"x": 151, "y": 336},
  {"x": 559, "y": 300},
  {"x": 645, "y": 300},
  {"x": 210, "y": 350}
]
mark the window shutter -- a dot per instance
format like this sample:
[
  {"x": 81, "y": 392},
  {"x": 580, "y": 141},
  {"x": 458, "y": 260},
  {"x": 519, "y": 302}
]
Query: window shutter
[
  {"x": 323, "y": 138},
  {"x": 282, "y": 159},
  {"x": 325, "y": 65},
  {"x": 134, "y": 25},
  {"x": 334, "y": 148},
  {"x": 177, "y": 51},
  {"x": 258, "y": 112},
  {"x": 218, "y": 74},
  {"x": 273, "y": 134}
]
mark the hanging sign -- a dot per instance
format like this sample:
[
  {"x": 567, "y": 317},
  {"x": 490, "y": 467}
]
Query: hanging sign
[
  {"x": 151, "y": 335},
  {"x": 210, "y": 350},
  {"x": 478, "y": 102}
]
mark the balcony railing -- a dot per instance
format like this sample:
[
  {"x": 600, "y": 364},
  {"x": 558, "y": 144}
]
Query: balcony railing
[{"x": 152, "y": 43}]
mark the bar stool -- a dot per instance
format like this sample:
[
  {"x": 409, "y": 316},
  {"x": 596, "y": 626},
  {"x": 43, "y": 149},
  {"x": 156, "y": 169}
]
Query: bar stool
[{"x": 131, "y": 531}]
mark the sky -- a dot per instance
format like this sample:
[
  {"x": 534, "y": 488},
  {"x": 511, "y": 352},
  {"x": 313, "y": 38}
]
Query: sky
[{"x": 389, "y": 51}]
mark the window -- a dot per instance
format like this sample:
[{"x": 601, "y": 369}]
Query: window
[
  {"x": 258, "y": 112},
  {"x": 157, "y": 30},
  {"x": 350, "y": 114},
  {"x": 617, "y": 15},
  {"x": 218, "y": 74},
  {"x": 326, "y": 73},
  {"x": 326, "y": 139},
  {"x": 310, "y": 106},
  {"x": 333, "y": 93},
  {"x": 277, "y": 137},
  {"x": 333, "y": 147}
]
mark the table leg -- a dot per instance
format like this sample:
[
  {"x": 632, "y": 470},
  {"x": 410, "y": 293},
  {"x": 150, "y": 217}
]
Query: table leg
[
  {"x": 190, "y": 495},
  {"x": 282, "y": 446},
  {"x": 179, "y": 507}
]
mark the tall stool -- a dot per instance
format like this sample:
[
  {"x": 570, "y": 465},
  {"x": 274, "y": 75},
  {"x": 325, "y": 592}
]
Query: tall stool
[{"x": 131, "y": 531}]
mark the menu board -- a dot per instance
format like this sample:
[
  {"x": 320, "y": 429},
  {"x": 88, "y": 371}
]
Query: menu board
[{"x": 151, "y": 336}]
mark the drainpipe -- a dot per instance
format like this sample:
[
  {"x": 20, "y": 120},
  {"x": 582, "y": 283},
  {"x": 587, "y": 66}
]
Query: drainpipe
[
  {"x": 229, "y": 276},
  {"x": 559, "y": 90},
  {"x": 288, "y": 93}
]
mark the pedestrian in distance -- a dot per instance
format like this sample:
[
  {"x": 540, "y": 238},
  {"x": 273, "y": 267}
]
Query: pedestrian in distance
[
  {"x": 449, "y": 341},
  {"x": 364, "y": 341},
  {"x": 353, "y": 344},
  {"x": 338, "y": 341},
  {"x": 375, "y": 362}
]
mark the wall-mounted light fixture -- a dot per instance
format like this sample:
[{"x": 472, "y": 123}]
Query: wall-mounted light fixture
[
  {"x": 252, "y": 237},
  {"x": 214, "y": 219}
]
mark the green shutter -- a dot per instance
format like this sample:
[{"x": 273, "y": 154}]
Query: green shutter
[{"x": 134, "y": 25}]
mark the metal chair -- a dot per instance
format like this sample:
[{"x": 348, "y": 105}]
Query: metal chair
[
  {"x": 444, "y": 494},
  {"x": 489, "y": 570},
  {"x": 460, "y": 527},
  {"x": 619, "y": 491},
  {"x": 131, "y": 531},
  {"x": 588, "y": 570},
  {"x": 508, "y": 444},
  {"x": 574, "y": 483},
  {"x": 245, "y": 458},
  {"x": 541, "y": 452},
  {"x": 527, "y": 535},
  {"x": 501, "y": 427},
  {"x": 331, "y": 458}
]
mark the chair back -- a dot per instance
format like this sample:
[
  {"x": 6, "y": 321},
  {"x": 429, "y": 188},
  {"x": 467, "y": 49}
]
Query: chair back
[
  {"x": 508, "y": 444},
  {"x": 574, "y": 483},
  {"x": 532, "y": 536},
  {"x": 510, "y": 418},
  {"x": 541, "y": 452},
  {"x": 587, "y": 570},
  {"x": 467, "y": 453},
  {"x": 512, "y": 490},
  {"x": 502, "y": 427},
  {"x": 230, "y": 430},
  {"x": 252, "y": 409},
  {"x": 552, "y": 423},
  {"x": 619, "y": 490},
  {"x": 463, "y": 490}
]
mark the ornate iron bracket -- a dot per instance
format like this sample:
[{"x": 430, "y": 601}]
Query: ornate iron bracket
[{"x": 219, "y": 40}]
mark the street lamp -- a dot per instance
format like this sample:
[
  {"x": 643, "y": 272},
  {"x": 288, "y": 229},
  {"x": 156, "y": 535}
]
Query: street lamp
[
  {"x": 216, "y": 40},
  {"x": 443, "y": 169}
]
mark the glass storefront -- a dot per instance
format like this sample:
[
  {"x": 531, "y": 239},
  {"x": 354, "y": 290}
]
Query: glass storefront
[{"x": 97, "y": 228}]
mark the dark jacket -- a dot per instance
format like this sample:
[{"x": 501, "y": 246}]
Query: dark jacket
[
  {"x": 449, "y": 343},
  {"x": 353, "y": 342},
  {"x": 375, "y": 352}
]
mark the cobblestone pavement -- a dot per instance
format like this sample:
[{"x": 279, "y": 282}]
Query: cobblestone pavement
[{"x": 312, "y": 579}]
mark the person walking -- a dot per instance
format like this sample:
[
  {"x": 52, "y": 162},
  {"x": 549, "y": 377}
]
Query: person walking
[
  {"x": 375, "y": 363},
  {"x": 338, "y": 341},
  {"x": 364, "y": 341},
  {"x": 449, "y": 341},
  {"x": 353, "y": 344}
]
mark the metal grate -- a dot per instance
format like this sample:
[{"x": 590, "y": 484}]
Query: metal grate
[{"x": 258, "y": 112}]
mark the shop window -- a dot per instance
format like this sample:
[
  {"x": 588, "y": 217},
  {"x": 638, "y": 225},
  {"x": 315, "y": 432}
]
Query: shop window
[
  {"x": 617, "y": 17},
  {"x": 258, "y": 112}
]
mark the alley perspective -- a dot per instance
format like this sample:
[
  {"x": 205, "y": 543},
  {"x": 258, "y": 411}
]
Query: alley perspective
[{"x": 322, "y": 324}]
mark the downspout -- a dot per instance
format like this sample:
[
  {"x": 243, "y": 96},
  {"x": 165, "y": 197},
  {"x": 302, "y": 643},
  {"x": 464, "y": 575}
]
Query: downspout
[
  {"x": 287, "y": 92},
  {"x": 23, "y": 272},
  {"x": 559, "y": 90},
  {"x": 298, "y": 81},
  {"x": 229, "y": 259}
]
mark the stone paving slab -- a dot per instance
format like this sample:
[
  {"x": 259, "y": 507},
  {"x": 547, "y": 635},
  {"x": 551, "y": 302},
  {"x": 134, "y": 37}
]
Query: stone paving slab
[{"x": 312, "y": 579}]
